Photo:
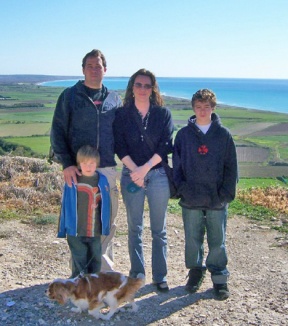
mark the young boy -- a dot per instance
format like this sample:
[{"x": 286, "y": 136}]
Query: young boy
[
  {"x": 206, "y": 173},
  {"x": 85, "y": 213}
]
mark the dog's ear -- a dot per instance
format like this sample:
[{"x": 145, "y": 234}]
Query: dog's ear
[
  {"x": 71, "y": 286},
  {"x": 61, "y": 298},
  {"x": 64, "y": 292}
]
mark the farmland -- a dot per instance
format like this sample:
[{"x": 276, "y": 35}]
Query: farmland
[{"x": 261, "y": 137}]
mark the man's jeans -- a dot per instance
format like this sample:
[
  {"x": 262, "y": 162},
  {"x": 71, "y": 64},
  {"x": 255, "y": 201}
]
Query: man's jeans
[
  {"x": 195, "y": 223},
  {"x": 107, "y": 241},
  {"x": 157, "y": 192}
]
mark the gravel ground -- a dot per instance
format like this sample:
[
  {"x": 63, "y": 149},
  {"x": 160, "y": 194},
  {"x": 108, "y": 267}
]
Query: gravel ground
[{"x": 31, "y": 256}]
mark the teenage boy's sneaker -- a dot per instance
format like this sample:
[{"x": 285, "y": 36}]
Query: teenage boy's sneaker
[
  {"x": 195, "y": 279},
  {"x": 221, "y": 291}
]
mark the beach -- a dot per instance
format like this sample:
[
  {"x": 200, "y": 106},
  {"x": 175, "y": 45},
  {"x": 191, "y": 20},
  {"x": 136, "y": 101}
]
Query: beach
[{"x": 261, "y": 94}]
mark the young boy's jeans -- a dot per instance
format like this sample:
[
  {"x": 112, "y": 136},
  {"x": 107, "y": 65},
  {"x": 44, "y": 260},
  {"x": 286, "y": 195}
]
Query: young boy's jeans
[
  {"x": 85, "y": 254},
  {"x": 195, "y": 223},
  {"x": 158, "y": 193}
]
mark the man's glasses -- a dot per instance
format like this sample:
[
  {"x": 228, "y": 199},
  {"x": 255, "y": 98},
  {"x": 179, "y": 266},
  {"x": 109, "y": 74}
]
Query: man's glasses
[{"x": 145, "y": 86}]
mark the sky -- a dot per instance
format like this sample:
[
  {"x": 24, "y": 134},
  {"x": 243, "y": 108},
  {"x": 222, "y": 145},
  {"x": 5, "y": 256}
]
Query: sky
[{"x": 183, "y": 38}]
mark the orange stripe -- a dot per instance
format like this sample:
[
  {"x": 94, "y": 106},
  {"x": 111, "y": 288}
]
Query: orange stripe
[{"x": 90, "y": 210}]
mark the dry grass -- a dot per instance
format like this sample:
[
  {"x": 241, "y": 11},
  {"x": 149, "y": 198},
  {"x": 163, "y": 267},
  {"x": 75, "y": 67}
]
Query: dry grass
[
  {"x": 29, "y": 186},
  {"x": 275, "y": 198}
]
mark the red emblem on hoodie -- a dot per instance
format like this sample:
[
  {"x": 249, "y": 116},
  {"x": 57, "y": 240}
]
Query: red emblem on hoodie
[{"x": 203, "y": 150}]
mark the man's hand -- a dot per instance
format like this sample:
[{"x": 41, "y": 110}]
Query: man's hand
[{"x": 70, "y": 175}]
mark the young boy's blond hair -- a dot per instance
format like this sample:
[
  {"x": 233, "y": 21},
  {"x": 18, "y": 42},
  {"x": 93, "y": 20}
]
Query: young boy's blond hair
[{"x": 87, "y": 152}]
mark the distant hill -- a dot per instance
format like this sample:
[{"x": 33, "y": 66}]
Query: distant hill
[{"x": 32, "y": 79}]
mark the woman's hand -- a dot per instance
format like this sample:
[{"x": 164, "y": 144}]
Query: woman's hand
[{"x": 139, "y": 174}]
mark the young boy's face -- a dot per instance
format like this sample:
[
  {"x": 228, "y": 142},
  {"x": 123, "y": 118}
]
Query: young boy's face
[
  {"x": 88, "y": 167},
  {"x": 203, "y": 111}
]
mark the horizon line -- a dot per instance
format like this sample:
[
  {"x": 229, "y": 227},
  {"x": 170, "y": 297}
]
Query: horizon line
[{"x": 82, "y": 76}]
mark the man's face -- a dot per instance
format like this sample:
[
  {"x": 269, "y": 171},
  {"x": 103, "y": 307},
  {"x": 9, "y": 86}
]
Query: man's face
[{"x": 93, "y": 71}]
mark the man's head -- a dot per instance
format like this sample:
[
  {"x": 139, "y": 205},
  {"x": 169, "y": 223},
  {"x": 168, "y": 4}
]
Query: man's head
[
  {"x": 94, "y": 68},
  {"x": 94, "y": 54},
  {"x": 88, "y": 159}
]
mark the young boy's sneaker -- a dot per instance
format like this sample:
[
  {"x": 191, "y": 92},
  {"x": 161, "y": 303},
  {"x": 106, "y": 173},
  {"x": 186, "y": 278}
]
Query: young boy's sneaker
[
  {"x": 195, "y": 279},
  {"x": 221, "y": 291}
]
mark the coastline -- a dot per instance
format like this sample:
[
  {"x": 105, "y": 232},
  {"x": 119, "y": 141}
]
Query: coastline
[
  {"x": 179, "y": 102},
  {"x": 244, "y": 93},
  {"x": 182, "y": 103}
]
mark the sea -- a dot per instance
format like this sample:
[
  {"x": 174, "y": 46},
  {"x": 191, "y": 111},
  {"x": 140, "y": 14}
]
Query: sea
[{"x": 259, "y": 94}]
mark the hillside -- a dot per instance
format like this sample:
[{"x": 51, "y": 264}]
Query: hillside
[
  {"x": 26, "y": 112},
  {"x": 32, "y": 79}
]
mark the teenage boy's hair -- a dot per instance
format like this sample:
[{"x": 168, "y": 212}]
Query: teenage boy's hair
[
  {"x": 87, "y": 152},
  {"x": 94, "y": 53},
  {"x": 204, "y": 95}
]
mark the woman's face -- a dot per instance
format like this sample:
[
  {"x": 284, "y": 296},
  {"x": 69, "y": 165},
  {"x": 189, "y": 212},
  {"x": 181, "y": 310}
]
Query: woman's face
[{"x": 142, "y": 88}]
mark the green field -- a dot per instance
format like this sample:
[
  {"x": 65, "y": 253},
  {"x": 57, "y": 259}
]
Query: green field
[
  {"x": 278, "y": 143},
  {"x": 24, "y": 129},
  {"x": 26, "y": 115},
  {"x": 261, "y": 139},
  {"x": 29, "y": 93},
  {"x": 246, "y": 183},
  {"x": 38, "y": 144},
  {"x": 232, "y": 116},
  {"x": 19, "y": 115}
]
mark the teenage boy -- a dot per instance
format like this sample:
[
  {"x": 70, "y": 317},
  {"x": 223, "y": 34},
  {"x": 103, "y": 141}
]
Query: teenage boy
[
  {"x": 206, "y": 174},
  {"x": 85, "y": 213}
]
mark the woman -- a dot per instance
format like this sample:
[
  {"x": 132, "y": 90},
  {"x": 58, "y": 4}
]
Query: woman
[{"x": 142, "y": 174}]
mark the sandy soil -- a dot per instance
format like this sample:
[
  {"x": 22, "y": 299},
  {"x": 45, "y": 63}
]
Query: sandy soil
[{"x": 31, "y": 256}]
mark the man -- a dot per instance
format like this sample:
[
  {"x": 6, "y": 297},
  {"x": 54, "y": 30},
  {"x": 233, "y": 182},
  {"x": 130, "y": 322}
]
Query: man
[{"x": 84, "y": 115}]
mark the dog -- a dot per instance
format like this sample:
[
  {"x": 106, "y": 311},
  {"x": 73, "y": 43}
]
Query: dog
[{"x": 95, "y": 291}]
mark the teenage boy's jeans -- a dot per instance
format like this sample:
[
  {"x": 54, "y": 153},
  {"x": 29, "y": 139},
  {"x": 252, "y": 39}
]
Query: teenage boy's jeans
[
  {"x": 157, "y": 192},
  {"x": 195, "y": 223}
]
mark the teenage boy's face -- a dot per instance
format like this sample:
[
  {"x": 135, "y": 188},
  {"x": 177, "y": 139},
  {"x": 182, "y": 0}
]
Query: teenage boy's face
[
  {"x": 88, "y": 167},
  {"x": 203, "y": 111}
]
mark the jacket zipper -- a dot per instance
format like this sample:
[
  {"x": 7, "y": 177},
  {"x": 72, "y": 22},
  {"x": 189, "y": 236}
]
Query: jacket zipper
[{"x": 98, "y": 119}]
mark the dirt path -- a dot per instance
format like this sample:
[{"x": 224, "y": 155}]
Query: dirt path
[{"x": 31, "y": 256}]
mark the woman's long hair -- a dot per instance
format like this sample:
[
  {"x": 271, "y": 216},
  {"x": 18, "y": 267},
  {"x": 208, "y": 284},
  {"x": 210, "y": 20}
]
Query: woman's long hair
[{"x": 155, "y": 97}]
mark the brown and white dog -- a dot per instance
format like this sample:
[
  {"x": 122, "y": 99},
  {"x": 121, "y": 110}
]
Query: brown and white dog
[{"x": 94, "y": 291}]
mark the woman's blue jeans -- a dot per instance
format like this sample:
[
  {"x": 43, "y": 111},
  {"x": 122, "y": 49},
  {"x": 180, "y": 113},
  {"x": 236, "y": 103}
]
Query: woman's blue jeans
[
  {"x": 196, "y": 222},
  {"x": 157, "y": 192}
]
